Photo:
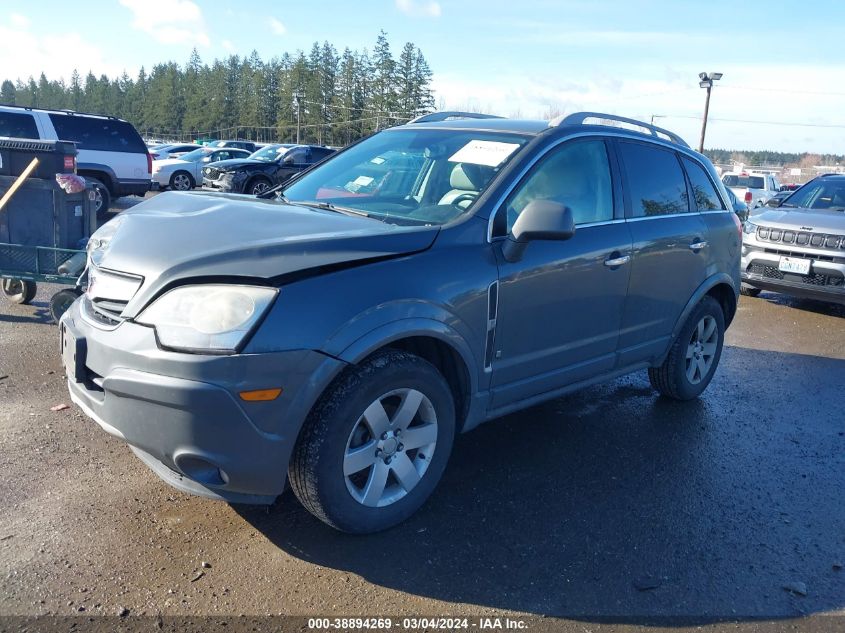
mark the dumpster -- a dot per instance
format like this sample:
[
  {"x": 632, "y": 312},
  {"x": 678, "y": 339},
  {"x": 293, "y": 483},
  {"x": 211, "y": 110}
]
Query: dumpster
[{"x": 43, "y": 228}]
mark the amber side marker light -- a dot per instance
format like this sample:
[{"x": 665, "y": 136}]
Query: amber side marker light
[{"x": 260, "y": 395}]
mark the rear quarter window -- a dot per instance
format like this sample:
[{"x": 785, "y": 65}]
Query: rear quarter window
[
  {"x": 18, "y": 125},
  {"x": 94, "y": 133},
  {"x": 703, "y": 189}
]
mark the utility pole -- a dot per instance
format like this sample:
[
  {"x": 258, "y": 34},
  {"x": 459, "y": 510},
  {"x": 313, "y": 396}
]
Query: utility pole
[
  {"x": 296, "y": 96},
  {"x": 706, "y": 82}
]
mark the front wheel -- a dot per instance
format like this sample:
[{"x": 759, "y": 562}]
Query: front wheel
[
  {"x": 376, "y": 444},
  {"x": 694, "y": 355},
  {"x": 19, "y": 291},
  {"x": 258, "y": 186},
  {"x": 181, "y": 181}
]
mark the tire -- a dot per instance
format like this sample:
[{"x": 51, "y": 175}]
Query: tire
[
  {"x": 102, "y": 199},
  {"x": 257, "y": 186},
  {"x": 182, "y": 181},
  {"x": 682, "y": 378},
  {"x": 18, "y": 291},
  {"x": 322, "y": 469},
  {"x": 61, "y": 301},
  {"x": 749, "y": 291}
]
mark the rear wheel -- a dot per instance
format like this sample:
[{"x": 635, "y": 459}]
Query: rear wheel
[
  {"x": 376, "y": 444},
  {"x": 19, "y": 291},
  {"x": 694, "y": 355},
  {"x": 102, "y": 199}
]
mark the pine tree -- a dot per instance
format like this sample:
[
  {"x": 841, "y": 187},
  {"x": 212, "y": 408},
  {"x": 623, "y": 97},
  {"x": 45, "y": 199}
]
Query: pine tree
[{"x": 7, "y": 93}]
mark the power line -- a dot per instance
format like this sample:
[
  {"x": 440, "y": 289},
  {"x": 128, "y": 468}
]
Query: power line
[
  {"x": 782, "y": 123},
  {"x": 793, "y": 91}
]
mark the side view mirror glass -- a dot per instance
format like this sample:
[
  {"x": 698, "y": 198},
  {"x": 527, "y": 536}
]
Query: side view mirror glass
[
  {"x": 539, "y": 220},
  {"x": 773, "y": 202}
]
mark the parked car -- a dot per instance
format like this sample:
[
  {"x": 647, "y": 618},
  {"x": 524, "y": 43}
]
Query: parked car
[
  {"x": 247, "y": 145},
  {"x": 777, "y": 199},
  {"x": 265, "y": 168},
  {"x": 172, "y": 150},
  {"x": 754, "y": 188},
  {"x": 183, "y": 173},
  {"x": 111, "y": 156},
  {"x": 799, "y": 247},
  {"x": 344, "y": 334}
]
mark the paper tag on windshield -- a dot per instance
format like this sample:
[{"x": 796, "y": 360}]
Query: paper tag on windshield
[
  {"x": 490, "y": 153},
  {"x": 363, "y": 180}
]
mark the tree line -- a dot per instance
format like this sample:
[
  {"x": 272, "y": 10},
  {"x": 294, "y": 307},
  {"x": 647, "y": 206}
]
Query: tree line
[
  {"x": 779, "y": 159},
  {"x": 321, "y": 97}
]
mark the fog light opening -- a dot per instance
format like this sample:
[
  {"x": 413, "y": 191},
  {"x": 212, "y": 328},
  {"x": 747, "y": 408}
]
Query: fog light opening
[{"x": 201, "y": 470}]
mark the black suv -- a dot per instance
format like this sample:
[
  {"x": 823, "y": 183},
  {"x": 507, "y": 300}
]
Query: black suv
[
  {"x": 420, "y": 282},
  {"x": 270, "y": 166}
]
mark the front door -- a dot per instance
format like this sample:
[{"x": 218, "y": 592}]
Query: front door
[{"x": 560, "y": 306}]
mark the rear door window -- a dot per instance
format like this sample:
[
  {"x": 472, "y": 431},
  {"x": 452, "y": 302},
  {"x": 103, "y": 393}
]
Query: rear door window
[
  {"x": 18, "y": 125},
  {"x": 95, "y": 133},
  {"x": 654, "y": 180},
  {"x": 703, "y": 189}
]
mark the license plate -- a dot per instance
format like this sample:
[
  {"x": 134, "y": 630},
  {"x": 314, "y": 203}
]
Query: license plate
[
  {"x": 794, "y": 265},
  {"x": 73, "y": 354}
]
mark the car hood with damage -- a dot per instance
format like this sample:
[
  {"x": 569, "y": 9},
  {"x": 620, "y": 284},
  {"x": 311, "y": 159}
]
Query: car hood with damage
[
  {"x": 800, "y": 219},
  {"x": 179, "y": 236}
]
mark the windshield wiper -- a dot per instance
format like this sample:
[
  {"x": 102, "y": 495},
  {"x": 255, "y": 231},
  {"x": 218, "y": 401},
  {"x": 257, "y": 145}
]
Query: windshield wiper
[{"x": 328, "y": 206}]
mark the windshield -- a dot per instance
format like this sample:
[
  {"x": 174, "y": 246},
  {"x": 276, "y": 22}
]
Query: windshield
[
  {"x": 270, "y": 154},
  {"x": 196, "y": 155},
  {"x": 824, "y": 194},
  {"x": 752, "y": 182},
  {"x": 423, "y": 176}
]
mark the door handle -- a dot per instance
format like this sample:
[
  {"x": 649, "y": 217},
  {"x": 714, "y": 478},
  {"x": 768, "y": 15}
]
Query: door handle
[
  {"x": 614, "y": 262},
  {"x": 697, "y": 246}
]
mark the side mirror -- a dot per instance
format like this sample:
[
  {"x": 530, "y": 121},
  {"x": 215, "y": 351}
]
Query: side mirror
[
  {"x": 774, "y": 202},
  {"x": 539, "y": 220}
]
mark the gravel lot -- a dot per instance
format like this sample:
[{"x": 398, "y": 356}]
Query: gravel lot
[{"x": 607, "y": 503}]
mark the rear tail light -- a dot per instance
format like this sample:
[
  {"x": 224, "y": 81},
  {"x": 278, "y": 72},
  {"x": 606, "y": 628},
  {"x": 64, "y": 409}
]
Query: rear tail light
[
  {"x": 748, "y": 197},
  {"x": 154, "y": 156},
  {"x": 149, "y": 163}
]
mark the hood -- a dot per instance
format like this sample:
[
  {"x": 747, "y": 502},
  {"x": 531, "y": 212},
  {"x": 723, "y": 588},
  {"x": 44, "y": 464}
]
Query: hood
[
  {"x": 234, "y": 164},
  {"x": 815, "y": 220},
  {"x": 177, "y": 236}
]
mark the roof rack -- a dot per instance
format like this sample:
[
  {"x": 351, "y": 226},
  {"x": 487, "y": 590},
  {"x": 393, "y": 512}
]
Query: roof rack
[
  {"x": 60, "y": 110},
  {"x": 578, "y": 118},
  {"x": 444, "y": 116}
]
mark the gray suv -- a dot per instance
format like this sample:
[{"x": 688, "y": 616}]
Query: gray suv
[
  {"x": 798, "y": 248},
  {"x": 418, "y": 283}
]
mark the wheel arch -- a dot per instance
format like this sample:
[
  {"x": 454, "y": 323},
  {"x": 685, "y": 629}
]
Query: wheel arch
[
  {"x": 102, "y": 173},
  {"x": 438, "y": 344}
]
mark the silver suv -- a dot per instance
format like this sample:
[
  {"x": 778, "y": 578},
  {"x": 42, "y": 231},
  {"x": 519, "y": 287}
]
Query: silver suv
[
  {"x": 412, "y": 286},
  {"x": 798, "y": 248}
]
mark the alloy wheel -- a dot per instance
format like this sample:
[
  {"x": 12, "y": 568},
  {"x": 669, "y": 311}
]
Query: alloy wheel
[
  {"x": 390, "y": 448},
  {"x": 701, "y": 349}
]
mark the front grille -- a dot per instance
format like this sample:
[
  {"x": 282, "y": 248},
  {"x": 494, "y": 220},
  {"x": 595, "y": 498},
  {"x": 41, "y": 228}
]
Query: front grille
[
  {"x": 100, "y": 314},
  {"x": 813, "y": 279},
  {"x": 212, "y": 173},
  {"x": 800, "y": 238}
]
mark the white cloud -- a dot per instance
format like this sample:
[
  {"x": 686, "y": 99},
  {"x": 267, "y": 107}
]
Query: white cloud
[
  {"x": 228, "y": 46},
  {"x": 419, "y": 8},
  {"x": 19, "y": 21},
  {"x": 169, "y": 21},
  {"x": 277, "y": 27},
  {"x": 55, "y": 53}
]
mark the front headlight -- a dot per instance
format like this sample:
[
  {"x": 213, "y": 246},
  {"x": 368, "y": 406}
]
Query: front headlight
[
  {"x": 749, "y": 228},
  {"x": 207, "y": 317}
]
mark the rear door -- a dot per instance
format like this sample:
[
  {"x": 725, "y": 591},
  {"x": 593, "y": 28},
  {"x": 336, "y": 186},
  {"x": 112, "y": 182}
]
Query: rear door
[
  {"x": 670, "y": 248},
  {"x": 560, "y": 306}
]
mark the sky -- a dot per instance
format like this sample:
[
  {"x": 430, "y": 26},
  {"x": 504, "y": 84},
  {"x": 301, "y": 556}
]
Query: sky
[{"x": 783, "y": 87}]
